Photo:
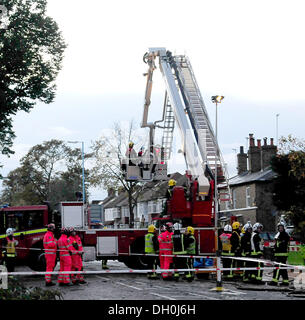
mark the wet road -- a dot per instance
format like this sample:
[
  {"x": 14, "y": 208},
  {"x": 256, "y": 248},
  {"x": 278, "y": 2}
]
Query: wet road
[{"x": 138, "y": 287}]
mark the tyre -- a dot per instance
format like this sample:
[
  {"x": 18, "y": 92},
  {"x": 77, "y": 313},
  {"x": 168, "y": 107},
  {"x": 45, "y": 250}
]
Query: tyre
[{"x": 37, "y": 261}]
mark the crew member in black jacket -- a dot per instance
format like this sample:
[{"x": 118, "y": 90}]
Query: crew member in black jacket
[{"x": 280, "y": 255}]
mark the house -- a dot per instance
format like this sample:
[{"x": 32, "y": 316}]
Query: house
[
  {"x": 252, "y": 188},
  {"x": 150, "y": 204}
]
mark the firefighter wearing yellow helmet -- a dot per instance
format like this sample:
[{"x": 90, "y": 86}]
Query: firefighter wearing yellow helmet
[
  {"x": 190, "y": 247},
  {"x": 236, "y": 248},
  {"x": 151, "y": 248}
]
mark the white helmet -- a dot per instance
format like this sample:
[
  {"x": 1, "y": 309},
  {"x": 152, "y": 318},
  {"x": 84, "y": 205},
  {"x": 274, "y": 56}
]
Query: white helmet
[
  {"x": 227, "y": 228},
  {"x": 256, "y": 226},
  {"x": 281, "y": 224},
  {"x": 9, "y": 231},
  {"x": 247, "y": 226},
  {"x": 177, "y": 226}
]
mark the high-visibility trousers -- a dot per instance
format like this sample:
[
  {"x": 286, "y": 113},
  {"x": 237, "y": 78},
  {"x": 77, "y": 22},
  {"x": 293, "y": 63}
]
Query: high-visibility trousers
[
  {"x": 77, "y": 265},
  {"x": 50, "y": 264},
  {"x": 165, "y": 263},
  {"x": 65, "y": 265}
]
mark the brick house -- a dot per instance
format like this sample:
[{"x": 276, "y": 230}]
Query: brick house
[{"x": 252, "y": 188}]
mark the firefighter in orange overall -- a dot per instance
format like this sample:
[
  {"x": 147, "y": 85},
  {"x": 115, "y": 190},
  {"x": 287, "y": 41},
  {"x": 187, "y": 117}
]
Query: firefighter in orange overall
[
  {"x": 77, "y": 253},
  {"x": 65, "y": 250},
  {"x": 50, "y": 246},
  {"x": 165, "y": 249}
]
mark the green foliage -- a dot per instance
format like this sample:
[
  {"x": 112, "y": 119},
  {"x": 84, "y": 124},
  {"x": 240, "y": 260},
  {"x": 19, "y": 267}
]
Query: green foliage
[
  {"x": 17, "y": 291},
  {"x": 289, "y": 185},
  {"x": 50, "y": 171},
  {"x": 31, "y": 53}
]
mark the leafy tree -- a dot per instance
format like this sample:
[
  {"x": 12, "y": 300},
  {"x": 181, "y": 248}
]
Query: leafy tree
[
  {"x": 50, "y": 171},
  {"x": 31, "y": 54},
  {"x": 289, "y": 185}
]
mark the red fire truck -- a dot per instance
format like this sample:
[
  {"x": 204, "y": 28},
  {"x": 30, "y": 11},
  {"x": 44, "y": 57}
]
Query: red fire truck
[
  {"x": 29, "y": 223},
  {"x": 190, "y": 205}
]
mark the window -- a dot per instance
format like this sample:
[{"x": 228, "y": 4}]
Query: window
[
  {"x": 21, "y": 220},
  {"x": 248, "y": 197}
]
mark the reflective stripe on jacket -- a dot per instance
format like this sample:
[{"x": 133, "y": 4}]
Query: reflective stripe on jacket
[
  {"x": 11, "y": 248},
  {"x": 149, "y": 245},
  {"x": 49, "y": 243},
  {"x": 226, "y": 243},
  {"x": 191, "y": 248},
  {"x": 165, "y": 243},
  {"x": 76, "y": 240},
  {"x": 64, "y": 246}
]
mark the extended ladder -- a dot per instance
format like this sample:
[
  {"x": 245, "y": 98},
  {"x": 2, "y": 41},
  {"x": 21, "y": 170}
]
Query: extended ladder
[{"x": 206, "y": 138}]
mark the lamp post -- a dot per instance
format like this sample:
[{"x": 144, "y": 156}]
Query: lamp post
[
  {"x": 277, "y": 128},
  {"x": 216, "y": 100},
  {"x": 83, "y": 168}
]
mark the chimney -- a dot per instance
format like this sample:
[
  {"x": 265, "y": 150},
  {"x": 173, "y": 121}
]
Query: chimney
[
  {"x": 111, "y": 192},
  {"x": 241, "y": 161},
  {"x": 254, "y": 155},
  {"x": 269, "y": 151}
]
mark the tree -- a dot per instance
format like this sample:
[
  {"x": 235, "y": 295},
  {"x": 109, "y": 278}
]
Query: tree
[
  {"x": 289, "y": 184},
  {"x": 31, "y": 53},
  {"x": 108, "y": 153},
  {"x": 50, "y": 171}
]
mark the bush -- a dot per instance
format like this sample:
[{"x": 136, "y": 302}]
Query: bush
[{"x": 16, "y": 291}]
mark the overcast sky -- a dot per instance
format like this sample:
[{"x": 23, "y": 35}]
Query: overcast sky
[{"x": 252, "y": 52}]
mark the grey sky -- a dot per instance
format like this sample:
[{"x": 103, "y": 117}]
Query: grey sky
[{"x": 250, "y": 52}]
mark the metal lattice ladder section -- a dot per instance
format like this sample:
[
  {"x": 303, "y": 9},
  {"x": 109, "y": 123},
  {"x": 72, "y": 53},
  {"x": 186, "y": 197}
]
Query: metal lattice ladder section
[
  {"x": 206, "y": 138},
  {"x": 168, "y": 131}
]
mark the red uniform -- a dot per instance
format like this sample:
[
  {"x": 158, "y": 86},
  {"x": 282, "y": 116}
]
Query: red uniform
[
  {"x": 64, "y": 247},
  {"x": 165, "y": 248},
  {"x": 50, "y": 245},
  {"x": 77, "y": 262}
]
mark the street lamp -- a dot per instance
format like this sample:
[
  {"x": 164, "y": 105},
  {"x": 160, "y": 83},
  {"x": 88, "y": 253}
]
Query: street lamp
[
  {"x": 83, "y": 168},
  {"x": 277, "y": 127},
  {"x": 216, "y": 100}
]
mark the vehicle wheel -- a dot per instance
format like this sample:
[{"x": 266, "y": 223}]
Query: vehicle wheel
[
  {"x": 137, "y": 262},
  {"x": 37, "y": 261}
]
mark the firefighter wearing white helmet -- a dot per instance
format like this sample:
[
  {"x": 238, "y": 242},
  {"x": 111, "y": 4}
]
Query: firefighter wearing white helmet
[
  {"x": 246, "y": 249},
  {"x": 225, "y": 247},
  {"x": 257, "y": 252},
  {"x": 9, "y": 253},
  {"x": 280, "y": 255},
  {"x": 151, "y": 248}
]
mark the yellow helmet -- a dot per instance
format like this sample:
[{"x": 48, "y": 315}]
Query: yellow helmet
[
  {"x": 151, "y": 228},
  {"x": 190, "y": 230},
  {"x": 131, "y": 144},
  {"x": 172, "y": 182},
  {"x": 243, "y": 230},
  {"x": 235, "y": 225}
]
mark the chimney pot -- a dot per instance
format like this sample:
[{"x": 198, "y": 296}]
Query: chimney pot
[
  {"x": 241, "y": 149},
  {"x": 251, "y": 140},
  {"x": 259, "y": 143},
  {"x": 271, "y": 141}
]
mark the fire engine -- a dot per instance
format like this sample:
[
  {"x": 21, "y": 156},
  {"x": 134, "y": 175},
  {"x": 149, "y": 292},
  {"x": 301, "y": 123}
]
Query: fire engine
[{"x": 190, "y": 205}]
